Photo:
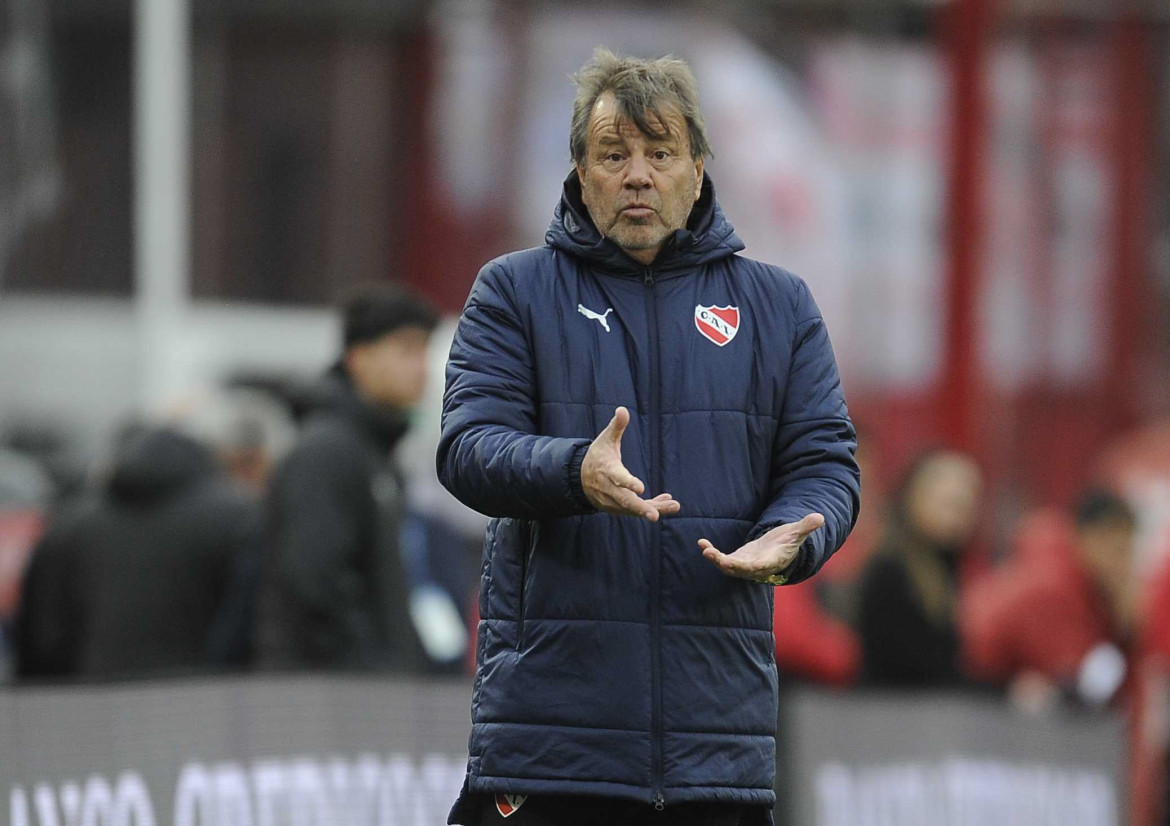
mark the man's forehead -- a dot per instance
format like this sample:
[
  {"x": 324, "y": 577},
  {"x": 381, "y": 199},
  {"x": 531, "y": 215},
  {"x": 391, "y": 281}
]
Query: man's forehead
[{"x": 606, "y": 122}]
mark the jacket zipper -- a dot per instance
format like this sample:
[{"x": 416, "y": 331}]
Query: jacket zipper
[{"x": 656, "y": 571}]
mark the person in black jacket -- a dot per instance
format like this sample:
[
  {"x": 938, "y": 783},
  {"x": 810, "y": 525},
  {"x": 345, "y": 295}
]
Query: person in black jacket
[
  {"x": 137, "y": 579},
  {"x": 909, "y": 590},
  {"x": 334, "y": 592}
]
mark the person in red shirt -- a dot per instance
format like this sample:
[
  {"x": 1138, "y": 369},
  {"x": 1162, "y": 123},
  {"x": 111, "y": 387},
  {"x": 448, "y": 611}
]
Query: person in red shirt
[
  {"x": 1056, "y": 621},
  {"x": 811, "y": 644},
  {"x": 1150, "y": 712}
]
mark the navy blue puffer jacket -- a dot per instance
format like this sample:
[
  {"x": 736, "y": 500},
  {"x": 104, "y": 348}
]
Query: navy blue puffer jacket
[{"x": 613, "y": 659}]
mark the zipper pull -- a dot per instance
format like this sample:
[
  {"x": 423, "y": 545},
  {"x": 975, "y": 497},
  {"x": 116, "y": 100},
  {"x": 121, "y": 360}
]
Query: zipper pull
[
  {"x": 648, "y": 276},
  {"x": 659, "y": 803}
]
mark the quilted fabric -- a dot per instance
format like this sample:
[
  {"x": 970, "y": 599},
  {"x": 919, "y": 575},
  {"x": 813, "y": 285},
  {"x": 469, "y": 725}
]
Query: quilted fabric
[{"x": 612, "y": 658}]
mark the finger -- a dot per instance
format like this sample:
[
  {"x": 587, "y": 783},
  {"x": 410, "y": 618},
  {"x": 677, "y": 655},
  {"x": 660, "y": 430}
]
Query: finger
[
  {"x": 622, "y": 478},
  {"x": 618, "y": 424},
  {"x": 624, "y": 500},
  {"x": 666, "y": 504},
  {"x": 726, "y": 563},
  {"x": 710, "y": 552},
  {"x": 628, "y": 502},
  {"x": 731, "y": 564},
  {"x": 812, "y": 522}
]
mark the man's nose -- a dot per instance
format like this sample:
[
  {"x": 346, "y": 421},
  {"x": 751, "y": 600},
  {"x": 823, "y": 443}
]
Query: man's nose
[{"x": 638, "y": 173}]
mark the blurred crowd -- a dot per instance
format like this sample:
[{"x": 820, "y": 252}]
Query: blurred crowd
[
  {"x": 281, "y": 525},
  {"x": 1060, "y": 620},
  {"x": 299, "y": 525}
]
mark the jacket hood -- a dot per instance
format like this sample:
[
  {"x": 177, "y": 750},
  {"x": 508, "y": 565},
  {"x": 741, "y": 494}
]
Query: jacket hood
[
  {"x": 336, "y": 395},
  {"x": 153, "y": 464},
  {"x": 708, "y": 235}
]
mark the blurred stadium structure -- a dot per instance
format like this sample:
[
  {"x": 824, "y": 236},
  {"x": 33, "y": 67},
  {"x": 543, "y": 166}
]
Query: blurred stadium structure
[
  {"x": 971, "y": 188},
  {"x": 975, "y": 190}
]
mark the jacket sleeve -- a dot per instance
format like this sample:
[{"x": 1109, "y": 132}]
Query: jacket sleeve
[
  {"x": 813, "y": 465},
  {"x": 490, "y": 455}
]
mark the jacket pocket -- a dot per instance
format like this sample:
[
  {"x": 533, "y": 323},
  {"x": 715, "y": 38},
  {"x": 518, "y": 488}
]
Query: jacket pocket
[{"x": 526, "y": 537}]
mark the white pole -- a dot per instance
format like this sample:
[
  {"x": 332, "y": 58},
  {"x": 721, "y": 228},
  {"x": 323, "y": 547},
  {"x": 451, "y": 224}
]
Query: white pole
[{"x": 162, "y": 55}]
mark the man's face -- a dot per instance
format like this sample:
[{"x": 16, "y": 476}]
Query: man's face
[
  {"x": 391, "y": 371},
  {"x": 638, "y": 189}
]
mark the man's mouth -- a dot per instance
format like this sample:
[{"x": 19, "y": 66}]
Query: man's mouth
[{"x": 637, "y": 211}]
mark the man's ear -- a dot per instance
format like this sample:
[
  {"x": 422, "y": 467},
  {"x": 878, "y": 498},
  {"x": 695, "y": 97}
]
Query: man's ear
[
  {"x": 581, "y": 174},
  {"x": 698, "y": 178}
]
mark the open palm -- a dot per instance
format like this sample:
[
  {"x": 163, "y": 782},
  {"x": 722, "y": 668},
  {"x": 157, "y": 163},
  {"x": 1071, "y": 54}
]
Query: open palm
[{"x": 766, "y": 558}]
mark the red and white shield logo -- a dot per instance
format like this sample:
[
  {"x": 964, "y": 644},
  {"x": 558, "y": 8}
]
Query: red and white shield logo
[
  {"x": 718, "y": 324},
  {"x": 507, "y": 804}
]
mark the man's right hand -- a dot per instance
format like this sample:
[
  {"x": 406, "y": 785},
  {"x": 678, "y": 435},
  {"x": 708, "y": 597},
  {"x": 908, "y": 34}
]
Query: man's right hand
[{"x": 612, "y": 488}]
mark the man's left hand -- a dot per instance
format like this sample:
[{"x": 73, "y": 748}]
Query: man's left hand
[{"x": 765, "y": 559}]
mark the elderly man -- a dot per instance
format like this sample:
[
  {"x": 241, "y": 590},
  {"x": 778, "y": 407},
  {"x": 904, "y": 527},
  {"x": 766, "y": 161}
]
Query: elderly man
[{"x": 625, "y": 654}]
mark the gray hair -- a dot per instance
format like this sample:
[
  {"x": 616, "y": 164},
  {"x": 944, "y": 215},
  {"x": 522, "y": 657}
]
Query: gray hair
[{"x": 641, "y": 89}]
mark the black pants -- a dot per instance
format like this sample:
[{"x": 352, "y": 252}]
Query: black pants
[{"x": 560, "y": 810}]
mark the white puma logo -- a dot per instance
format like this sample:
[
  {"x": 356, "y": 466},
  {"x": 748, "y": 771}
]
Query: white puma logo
[{"x": 598, "y": 317}]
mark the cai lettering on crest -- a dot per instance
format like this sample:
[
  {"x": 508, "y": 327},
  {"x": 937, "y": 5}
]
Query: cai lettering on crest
[{"x": 717, "y": 324}]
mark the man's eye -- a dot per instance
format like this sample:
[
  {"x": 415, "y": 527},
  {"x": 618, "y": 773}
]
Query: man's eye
[
  {"x": 614, "y": 157},
  {"x": 661, "y": 155}
]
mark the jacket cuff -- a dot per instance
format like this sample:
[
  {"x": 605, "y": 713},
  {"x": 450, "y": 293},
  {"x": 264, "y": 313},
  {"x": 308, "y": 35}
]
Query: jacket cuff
[
  {"x": 799, "y": 569},
  {"x": 576, "y": 489},
  {"x": 803, "y": 564}
]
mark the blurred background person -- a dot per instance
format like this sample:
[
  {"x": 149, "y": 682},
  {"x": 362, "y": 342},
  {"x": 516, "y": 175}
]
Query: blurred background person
[
  {"x": 26, "y": 492},
  {"x": 909, "y": 594},
  {"x": 811, "y": 644},
  {"x": 250, "y": 429},
  {"x": 250, "y": 432},
  {"x": 1149, "y": 717},
  {"x": 334, "y": 589},
  {"x": 39, "y": 468},
  {"x": 132, "y": 578},
  {"x": 1058, "y": 619}
]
